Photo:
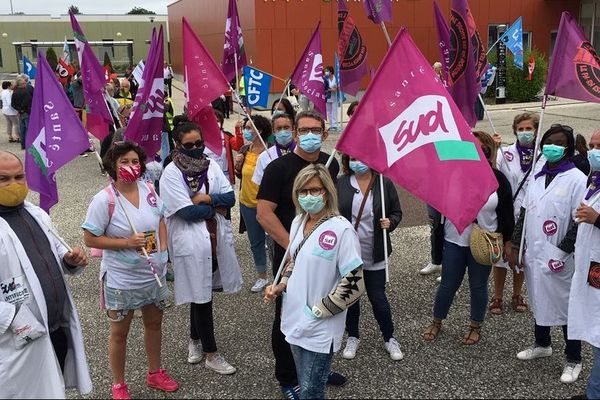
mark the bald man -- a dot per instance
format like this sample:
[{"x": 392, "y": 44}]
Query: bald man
[
  {"x": 41, "y": 344},
  {"x": 125, "y": 96}
]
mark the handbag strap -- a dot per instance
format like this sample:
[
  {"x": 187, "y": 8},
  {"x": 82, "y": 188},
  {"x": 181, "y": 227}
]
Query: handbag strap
[
  {"x": 319, "y": 223},
  {"x": 522, "y": 183},
  {"x": 364, "y": 201}
]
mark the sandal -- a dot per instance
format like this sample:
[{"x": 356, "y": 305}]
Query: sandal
[
  {"x": 519, "y": 304},
  {"x": 474, "y": 330},
  {"x": 496, "y": 306},
  {"x": 432, "y": 331}
]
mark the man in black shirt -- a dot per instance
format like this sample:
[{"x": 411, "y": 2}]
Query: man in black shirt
[
  {"x": 21, "y": 101},
  {"x": 276, "y": 211}
]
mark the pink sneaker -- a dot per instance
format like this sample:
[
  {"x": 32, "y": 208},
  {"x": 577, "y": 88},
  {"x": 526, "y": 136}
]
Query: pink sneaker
[
  {"x": 120, "y": 391},
  {"x": 162, "y": 381}
]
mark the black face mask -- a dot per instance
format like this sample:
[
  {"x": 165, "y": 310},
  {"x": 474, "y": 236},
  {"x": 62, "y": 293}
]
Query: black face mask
[{"x": 196, "y": 153}]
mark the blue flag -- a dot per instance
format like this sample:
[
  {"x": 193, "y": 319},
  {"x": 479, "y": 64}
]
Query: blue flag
[
  {"x": 341, "y": 97},
  {"x": 513, "y": 39},
  {"x": 29, "y": 68},
  {"x": 258, "y": 84}
]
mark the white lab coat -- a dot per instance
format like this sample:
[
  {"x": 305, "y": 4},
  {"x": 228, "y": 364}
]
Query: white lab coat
[
  {"x": 33, "y": 371},
  {"x": 189, "y": 242},
  {"x": 550, "y": 213},
  {"x": 584, "y": 301}
]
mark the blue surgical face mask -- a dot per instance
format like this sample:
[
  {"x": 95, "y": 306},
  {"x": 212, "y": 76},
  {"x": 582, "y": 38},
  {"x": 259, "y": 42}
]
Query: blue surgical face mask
[
  {"x": 594, "y": 159},
  {"x": 311, "y": 204},
  {"x": 525, "y": 137},
  {"x": 248, "y": 135},
  {"x": 553, "y": 153},
  {"x": 358, "y": 167},
  {"x": 283, "y": 137},
  {"x": 310, "y": 142}
]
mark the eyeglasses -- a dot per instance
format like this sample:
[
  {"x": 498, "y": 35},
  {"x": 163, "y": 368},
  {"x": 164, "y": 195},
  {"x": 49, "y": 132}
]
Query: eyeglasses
[
  {"x": 197, "y": 144},
  {"x": 564, "y": 128},
  {"x": 316, "y": 131},
  {"x": 312, "y": 191}
]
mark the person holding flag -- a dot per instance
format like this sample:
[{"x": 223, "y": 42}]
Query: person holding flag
[{"x": 331, "y": 94}]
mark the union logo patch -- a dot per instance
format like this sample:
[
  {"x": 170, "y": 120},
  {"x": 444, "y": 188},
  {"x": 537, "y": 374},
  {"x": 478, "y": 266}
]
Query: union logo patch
[{"x": 587, "y": 69}]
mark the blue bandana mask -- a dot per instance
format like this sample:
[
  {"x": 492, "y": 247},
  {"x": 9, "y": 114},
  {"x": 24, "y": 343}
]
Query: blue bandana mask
[
  {"x": 310, "y": 142},
  {"x": 311, "y": 204},
  {"x": 358, "y": 167},
  {"x": 248, "y": 135},
  {"x": 553, "y": 153}
]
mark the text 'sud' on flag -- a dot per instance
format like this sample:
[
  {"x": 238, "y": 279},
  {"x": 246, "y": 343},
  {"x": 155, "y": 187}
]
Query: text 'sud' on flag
[
  {"x": 308, "y": 74},
  {"x": 574, "y": 72},
  {"x": 513, "y": 39},
  {"x": 408, "y": 128},
  {"x": 352, "y": 52},
  {"x": 257, "y": 84},
  {"x": 204, "y": 82},
  {"x": 55, "y": 135}
]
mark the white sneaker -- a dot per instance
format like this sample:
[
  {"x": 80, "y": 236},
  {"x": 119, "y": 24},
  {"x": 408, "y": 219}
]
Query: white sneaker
[
  {"x": 259, "y": 285},
  {"x": 351, "y": 347},
  {"x": 393, "y": 347},
  {"x": 219, "y": 365},
  {"x": 430, "y": 269},
  {"x": 194, "y": 352},
  {"x": 438, "y": 279},
  {"x": 570, "y": 372},
  {"x": 534, "y": 352}
]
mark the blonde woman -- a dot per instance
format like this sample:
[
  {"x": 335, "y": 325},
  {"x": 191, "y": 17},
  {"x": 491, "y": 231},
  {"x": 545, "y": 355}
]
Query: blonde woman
[{"x": 323, "y": 278}]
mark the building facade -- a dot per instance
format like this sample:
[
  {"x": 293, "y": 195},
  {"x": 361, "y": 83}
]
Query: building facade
[
  {"x": 276, "y": 31},
  {"x": 125, "y": 38}
]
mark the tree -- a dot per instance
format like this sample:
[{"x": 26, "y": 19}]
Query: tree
[
  {"x": 74, "y": 9},
  {"x": 52, "y": 58},
  {"x": 141, "y": 11}
]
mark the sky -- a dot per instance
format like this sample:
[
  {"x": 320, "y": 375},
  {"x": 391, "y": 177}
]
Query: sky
[{"x": 56, "y": 7}]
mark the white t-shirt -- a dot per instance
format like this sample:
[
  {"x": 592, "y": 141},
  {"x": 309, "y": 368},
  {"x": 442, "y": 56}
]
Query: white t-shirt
[
  {"x": 6, "y": 102},
  {"x": 365, "y": 227},
  {"x": 126, "y": 268},
  {"x": 486, "y": 218},
  {"x": 167, "y": 72},
  {"x": 330, "y": 253},
  {"x": 333, "y": 95},
  {"x": 261, "y": 163}
]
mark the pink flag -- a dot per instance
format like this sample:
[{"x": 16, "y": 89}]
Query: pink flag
[
  {"x": 352, "y": 52},
  {"x": 409, "y": 129},
  {"x": 308, "y": 74},
  {"x": 575, "y": 69},
  {"x": 234, "y": 43},
  {"x": 463, "y": 65},
  {"x": 204, "y": 82},
  {"x": 146, "y": 122}
]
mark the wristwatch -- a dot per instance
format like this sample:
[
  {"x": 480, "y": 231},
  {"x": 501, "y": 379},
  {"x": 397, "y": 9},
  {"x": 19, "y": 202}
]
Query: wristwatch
[{"x": 317, "y": 312}]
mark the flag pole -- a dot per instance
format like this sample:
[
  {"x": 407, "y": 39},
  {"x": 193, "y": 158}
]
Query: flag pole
[
  {"x": 55, "y": 234},
  {"x": 285, "y": 89},
  {"x": 535, "y": 159},
  {"x": 135, "y": 232},
  {"x": 489, "y": 118},
  {"x": 494, "y": 45}
]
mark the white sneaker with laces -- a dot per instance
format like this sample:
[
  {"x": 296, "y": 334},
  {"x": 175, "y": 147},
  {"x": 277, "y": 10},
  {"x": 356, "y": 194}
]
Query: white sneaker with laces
[
  {"x": 351, "y": 347},
  {"x": 259, "y": 285},
  {"x": 393, "y": 347},
  {"x": 219, "y": 365},
  {"x": 430, "y": 269},
  {"x": 194, "y": 352},
  {"x": 570, "y": 372},
  {"x": 534, "y": 352}
]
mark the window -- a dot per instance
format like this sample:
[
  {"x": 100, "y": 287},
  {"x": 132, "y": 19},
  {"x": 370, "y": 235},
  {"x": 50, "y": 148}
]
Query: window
[
  {"x": 553, "y": 35},
  {"x": 34, "y": 49},
  {"x": 527, "y": 37},
  {"x": 107, "y": 46},
  {"x": 493, "y": 33},
  {"x": 1, "y": 62}
]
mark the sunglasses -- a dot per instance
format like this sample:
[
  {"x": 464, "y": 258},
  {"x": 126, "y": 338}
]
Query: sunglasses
[
  {"x": 564, "y": 128},
  {"x": 197, "y": 144}
]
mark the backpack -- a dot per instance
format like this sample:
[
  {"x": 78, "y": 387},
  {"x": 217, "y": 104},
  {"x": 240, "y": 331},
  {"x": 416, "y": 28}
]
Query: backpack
[{"x": 97, "y": 253}]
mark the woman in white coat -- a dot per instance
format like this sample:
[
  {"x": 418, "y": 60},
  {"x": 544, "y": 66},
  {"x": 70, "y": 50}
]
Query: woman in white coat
[
  {"x": 30, "y": 364},
  {"x": 551, "y": 201},
  {"x": 584, "y": 301},
  {"x": 198, "y": 195}
]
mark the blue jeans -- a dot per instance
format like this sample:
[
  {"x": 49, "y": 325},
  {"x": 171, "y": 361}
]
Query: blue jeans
[
  {"x": 436, "y": 235},
  {"x": 256, "y": 235},
  {"x": 375, "y": 285},
  {"x": 313, "y": 370},
  {"x": 593, "y": 389},
  {"x": 23, "y": 125},
  {"x": 457, "y": 260}
]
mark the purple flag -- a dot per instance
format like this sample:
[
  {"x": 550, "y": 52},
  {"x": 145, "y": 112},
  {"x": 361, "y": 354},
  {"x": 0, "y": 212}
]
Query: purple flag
[
  {"x": 575, "y": 69},
  {"x": 55, "y": 135},
  {"x": 352, "y": 52},
  {"x": 444, "y": 44},
  {"x": 308, "y": 74},
  {"x": 234, "y": 43},
  {"x": 92, "y": 75},
  {"x": 145, "y": 126},
  {"x": 379, "y": 11},
  {"x": 463, "y": 67}
]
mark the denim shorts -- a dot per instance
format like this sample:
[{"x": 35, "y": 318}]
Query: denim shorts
[{"x": 133, "y": 299}]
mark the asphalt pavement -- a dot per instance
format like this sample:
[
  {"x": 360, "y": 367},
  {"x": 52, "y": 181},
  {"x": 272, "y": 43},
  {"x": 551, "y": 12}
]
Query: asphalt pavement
[{"x": 443, "y": 369}]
